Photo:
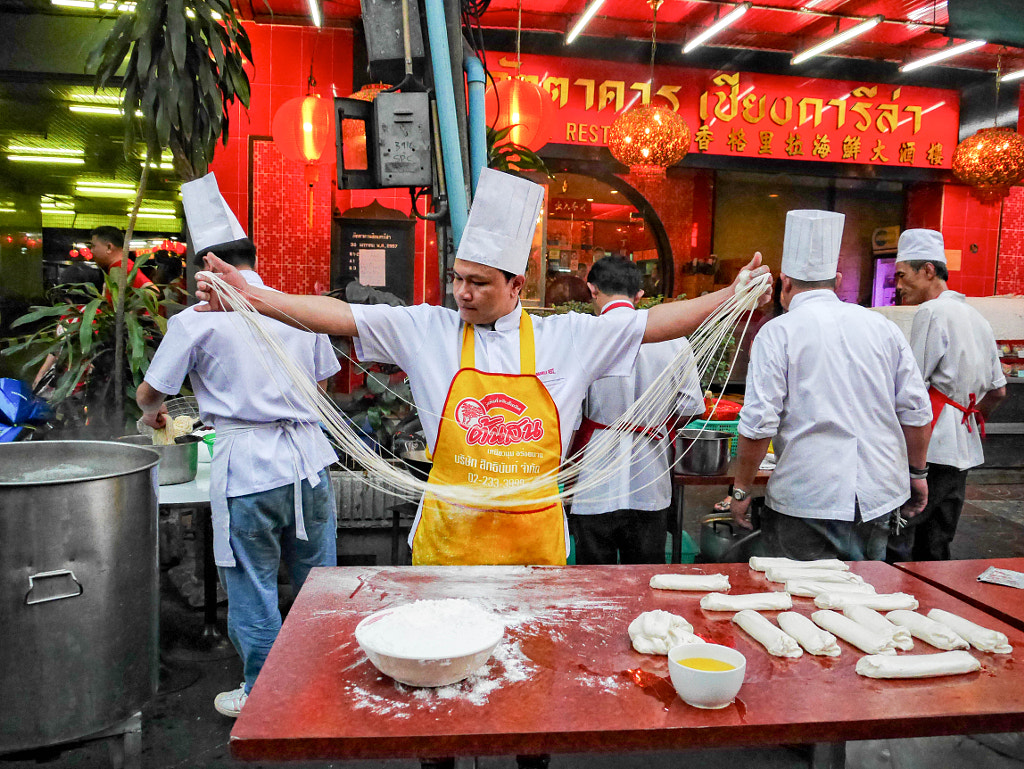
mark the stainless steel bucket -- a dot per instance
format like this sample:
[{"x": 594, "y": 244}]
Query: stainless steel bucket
[
  {"x": 79, "y": 592},
  {"x": 179, "y": 461},
  {"x": 702, "y": 452}
]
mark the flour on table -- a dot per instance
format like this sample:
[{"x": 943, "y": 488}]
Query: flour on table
[{"x": 450, "y": 627}]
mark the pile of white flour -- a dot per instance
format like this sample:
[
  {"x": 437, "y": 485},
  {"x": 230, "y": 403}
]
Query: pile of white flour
[{"x": 451, "y": 627}]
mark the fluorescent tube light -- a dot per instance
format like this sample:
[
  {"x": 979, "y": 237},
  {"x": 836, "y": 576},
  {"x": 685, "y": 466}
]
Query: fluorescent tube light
[
  {"x": 22, "y": 149},
  {"x": 314, "y": 12},
  {"x": 945, "y": 53},
  {"x": 104, "y": 190},
  {"x": 717, "y": 27},
  {"x": 48, "y": 159},
  {"x": 95, "y": 109},
  {"x": 153, "y": 210},
  {"x": 842, "y": 37},
  {"x": 584, "y": 20},
  {"x": 157, "y": 216},
  {"x": 75, "y": 4},
  {"x": 1012, "y": 76}
]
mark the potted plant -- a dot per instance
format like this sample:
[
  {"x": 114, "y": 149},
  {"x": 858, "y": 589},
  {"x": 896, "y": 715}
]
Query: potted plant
[{"x": 183, "y": 66}]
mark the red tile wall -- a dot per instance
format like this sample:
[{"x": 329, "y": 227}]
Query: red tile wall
[
  {"x": 1011, "y": 246},
  {"x": 292, "y": 255},
  {"x": 972, "y": 227}
]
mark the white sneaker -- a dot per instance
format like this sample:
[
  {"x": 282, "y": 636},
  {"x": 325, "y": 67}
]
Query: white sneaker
[{"x": 231, "y": 703}]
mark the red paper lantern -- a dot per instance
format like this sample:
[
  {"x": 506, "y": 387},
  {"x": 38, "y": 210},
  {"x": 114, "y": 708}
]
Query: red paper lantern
[
  {"x": 303, "y": 130},
  {"x": 525, "y": 106}
]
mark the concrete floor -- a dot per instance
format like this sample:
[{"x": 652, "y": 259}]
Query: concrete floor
[{"x": 181, "y": 728}]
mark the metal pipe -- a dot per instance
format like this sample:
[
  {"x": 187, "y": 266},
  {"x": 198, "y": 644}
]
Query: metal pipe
[
  {"x": 477, "y": 79},
  {"x": 440, "y": 58}
]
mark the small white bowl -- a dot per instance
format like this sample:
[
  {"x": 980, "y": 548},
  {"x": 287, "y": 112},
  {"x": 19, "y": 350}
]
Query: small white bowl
[
  {"x": 709, "y": 689},
  {"x": 428, "y": 671}
]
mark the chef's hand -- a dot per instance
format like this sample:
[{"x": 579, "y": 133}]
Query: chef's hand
[
  {"x": 918, "y": 498},
  {"x": 754, "y": 269},
  {"x": 740, "y": 510},
  {"x": 205, "y": 291},
  {"x": 156, "y": 419}
]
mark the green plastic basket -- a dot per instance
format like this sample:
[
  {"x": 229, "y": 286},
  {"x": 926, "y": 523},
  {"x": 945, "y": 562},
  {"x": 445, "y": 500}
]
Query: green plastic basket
[{"x": 732, "y": 427}]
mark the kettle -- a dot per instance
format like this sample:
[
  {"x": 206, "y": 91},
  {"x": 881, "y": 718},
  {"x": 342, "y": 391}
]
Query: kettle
[{"x": 721, "y": 541}]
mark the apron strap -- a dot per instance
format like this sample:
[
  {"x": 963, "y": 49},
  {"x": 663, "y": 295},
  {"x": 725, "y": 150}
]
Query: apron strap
[
  {"x": 527, "y": 349},
  {"x": 940, "y": 400}
]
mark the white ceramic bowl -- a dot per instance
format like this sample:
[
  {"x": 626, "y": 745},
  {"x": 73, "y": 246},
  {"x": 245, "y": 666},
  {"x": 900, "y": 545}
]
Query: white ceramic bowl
[
  {"x": 432, "y": 670},
  {"x": 709, "y": 689}
]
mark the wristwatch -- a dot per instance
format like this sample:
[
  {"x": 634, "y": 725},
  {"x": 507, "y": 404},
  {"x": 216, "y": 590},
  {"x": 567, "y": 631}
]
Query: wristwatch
[{"x": 739, "y": 494}]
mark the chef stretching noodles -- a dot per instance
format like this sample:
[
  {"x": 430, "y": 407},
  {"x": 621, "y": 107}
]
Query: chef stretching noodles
[{"x": 498, "y": 391}]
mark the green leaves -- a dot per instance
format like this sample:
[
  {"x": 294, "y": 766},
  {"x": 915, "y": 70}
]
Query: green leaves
[
  {"x": 183, "y": 73},
  {"x": 504, "y": 155}
]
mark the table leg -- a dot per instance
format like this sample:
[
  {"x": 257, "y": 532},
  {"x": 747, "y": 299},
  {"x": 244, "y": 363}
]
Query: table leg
[
  {"x": 678, "y": 504},
  {"x": 828, "y": 755},
  {"x": 209, "y": 579}
]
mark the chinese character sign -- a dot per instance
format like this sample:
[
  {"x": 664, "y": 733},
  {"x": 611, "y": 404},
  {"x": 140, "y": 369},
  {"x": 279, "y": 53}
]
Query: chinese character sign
[{"x": 753, "y": 115}]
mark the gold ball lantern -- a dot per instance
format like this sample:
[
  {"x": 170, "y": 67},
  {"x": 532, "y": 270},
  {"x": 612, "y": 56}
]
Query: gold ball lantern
[
  {"x": 649, "y": 139},
  {"x": 991, "y": 162}
]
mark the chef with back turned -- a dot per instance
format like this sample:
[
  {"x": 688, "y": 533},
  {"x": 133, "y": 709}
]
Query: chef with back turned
[
  {"x": 481, "y": 375},
  {"x": 836, "y": 386}
]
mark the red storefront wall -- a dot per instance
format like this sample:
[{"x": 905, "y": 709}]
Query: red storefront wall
[{"x": 295, "y": 256}]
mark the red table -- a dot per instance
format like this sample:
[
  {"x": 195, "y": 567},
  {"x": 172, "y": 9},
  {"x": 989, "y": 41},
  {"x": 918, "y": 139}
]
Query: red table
[
  {"x": 564, "y": 678},
  {"x": 960, "y": 578}
]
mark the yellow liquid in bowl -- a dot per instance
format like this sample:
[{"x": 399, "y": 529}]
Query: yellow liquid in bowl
[{"x": 706, "y": 663}]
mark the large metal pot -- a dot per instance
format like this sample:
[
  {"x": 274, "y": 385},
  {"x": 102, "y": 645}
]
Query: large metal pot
[
  {"x": 79, "y": 592},
  {"x": 721, "y": 541},
  {"x": 702, "y": 452},
  {"x": 179, "y": 461}
]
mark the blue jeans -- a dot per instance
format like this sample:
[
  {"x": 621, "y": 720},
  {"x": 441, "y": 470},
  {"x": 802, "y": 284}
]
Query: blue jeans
[
  {"x": 807, "y": 539},
  {"x": 262, "y": 534}
]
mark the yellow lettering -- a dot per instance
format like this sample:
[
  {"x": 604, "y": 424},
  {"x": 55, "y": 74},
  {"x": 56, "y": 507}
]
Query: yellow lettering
[
  {"x": 861, "y": 108},
  {"x": 605, "y": 129},
  {"x": 588, "y": 101},
  {"x": 558, "y": 87},
  {"x": 750, "y": 101},
  {"x": 668, "y": 92},
  {"x": 810, "y": 102},
  {"x": 840, "y": 105},
  {"x": 593, "y": 134},
  {"x": 609, "y": 91},
  {"x": 916, "y": 112},
  {"x": 863, "y": 91},
  {"x": 788, "y": 101},
  {"x": 570, "y": 132},
  {"x": 645, "y": 91},
  {"x": 886, "y": 122}
]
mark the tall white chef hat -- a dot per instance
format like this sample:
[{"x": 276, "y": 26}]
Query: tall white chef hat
[
  {"x": 211, "y": 222},
  {"x": 502, "y": 222},
  {"x": 921, "y": 246},
  {"x": 810, "y": 250}
]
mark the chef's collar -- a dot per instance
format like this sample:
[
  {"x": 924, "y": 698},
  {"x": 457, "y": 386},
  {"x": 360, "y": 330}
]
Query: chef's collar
[
  {"x": 951, "y": 294},
  {"x": 252, "y": 277},
  {"x": 508, "y": 322},
  {"x": 824, "y": 294},
  {"x": 617, "y": 304}
]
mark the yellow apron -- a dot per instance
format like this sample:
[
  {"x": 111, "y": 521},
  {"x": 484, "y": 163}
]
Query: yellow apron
[{"x": 496, "y": 430}]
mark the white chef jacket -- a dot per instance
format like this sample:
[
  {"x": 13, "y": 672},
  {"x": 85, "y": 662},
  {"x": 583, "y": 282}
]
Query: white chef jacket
[
  {"x": 642, "y": 481},
  {"x": 832, "y": 383},
  {"x": 425, "y": 341},
  {"x": 956, "y": 351},
  {"x": 233, "y": 381}
]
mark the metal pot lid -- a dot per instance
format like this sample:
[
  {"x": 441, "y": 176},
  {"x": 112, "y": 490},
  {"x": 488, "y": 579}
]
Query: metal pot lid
[{"x": 45, "y": 463}]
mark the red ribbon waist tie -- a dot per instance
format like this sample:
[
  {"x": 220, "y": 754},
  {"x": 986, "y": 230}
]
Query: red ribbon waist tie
[
  {"x": 588, "y": 427},
  {"x": 940, "y": 400}
]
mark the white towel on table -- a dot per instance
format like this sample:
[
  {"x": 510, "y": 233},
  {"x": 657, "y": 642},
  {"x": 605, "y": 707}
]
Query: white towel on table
[
  {"x": 981, "y": 638},
  {"x": 809, "y": 589},
  {"x": 878, "y": 602},
  {"x": 928, "y": 630},
  {"x": 755, "y": 601},
  {"x": 872, "y": 620},
  {"x": 763, "y": 563},
  {"x": 787, "y": 573},
  {"x": 865, "y": 639},
  {"x": 775, "y": 641},
  {"x": 701, "y": 582},
  {"x": 808, "y": 635},
  {"x": 918, "y": 665},
  {"x": 656, "y": 632}
]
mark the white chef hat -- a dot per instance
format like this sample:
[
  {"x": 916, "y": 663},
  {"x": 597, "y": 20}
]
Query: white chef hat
[
  {"x": 921, "y": 246},
  {"x": 211, "y": 222},
  {"x": 810, "y": 250},
  {"x": 502, "y": 222}
]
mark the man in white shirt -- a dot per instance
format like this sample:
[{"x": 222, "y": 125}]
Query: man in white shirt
[
  {"x": 956, "y": 351},
  {"x": 835, "y": 385},
  {"x": 496, "y": 389},
  {"x": 624, "y": 519},
  {"x": 270, "y": 493}
]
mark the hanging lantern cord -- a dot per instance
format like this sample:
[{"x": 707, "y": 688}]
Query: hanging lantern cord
[
  {"x": 999, "y": 74},
  {"x": 519, "y": 34},
  {"x": 654, "y": 36}
]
